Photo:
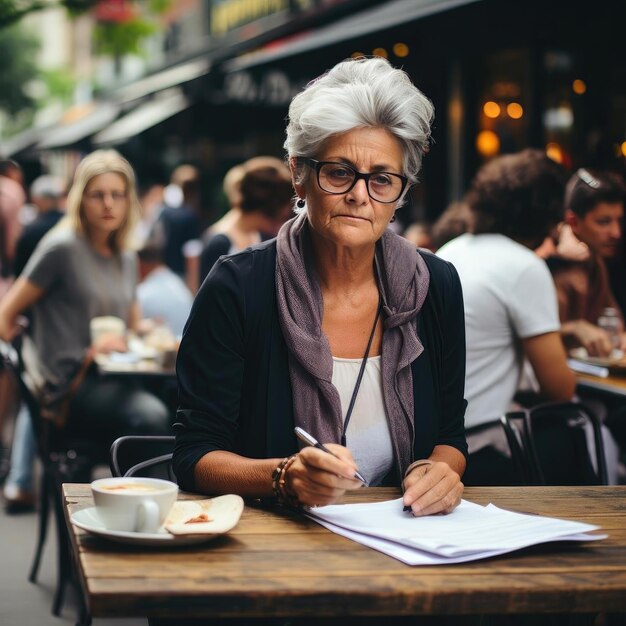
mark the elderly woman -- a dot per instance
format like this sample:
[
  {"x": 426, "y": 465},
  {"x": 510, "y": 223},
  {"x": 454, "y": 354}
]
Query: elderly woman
[
  {"x": 83, "y": 268},
  {"x": 338, "y": 326}
]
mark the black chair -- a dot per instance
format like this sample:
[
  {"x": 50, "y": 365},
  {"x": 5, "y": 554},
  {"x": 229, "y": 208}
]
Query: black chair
[
  {"x": 143, "y": 455},
  {"x": 487, "y": 466},
  {"x": 557, "y": 439},
  {"x": 516, "y": 430},
  {"x": 63, "y": 459}
]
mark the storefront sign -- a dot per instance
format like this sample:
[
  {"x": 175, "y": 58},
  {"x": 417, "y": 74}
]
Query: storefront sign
[
  {"x": 226, "y": 15},
  {"x": 273, "y": 88}
]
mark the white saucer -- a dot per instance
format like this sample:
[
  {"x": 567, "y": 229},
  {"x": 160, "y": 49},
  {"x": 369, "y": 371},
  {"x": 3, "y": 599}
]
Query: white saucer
[{"x": 89, "y": 520}]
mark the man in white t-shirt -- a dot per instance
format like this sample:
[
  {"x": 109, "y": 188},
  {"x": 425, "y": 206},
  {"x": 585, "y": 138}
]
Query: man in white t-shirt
[{"x": 510, "y": 300}]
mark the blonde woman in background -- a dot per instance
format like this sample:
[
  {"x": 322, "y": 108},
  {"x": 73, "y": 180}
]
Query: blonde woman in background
[{"x": 82, "y": 269}]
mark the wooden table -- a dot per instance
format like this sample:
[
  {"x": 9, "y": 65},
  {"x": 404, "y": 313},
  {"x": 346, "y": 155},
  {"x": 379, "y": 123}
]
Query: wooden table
[
  {"x": 280, "y": 564},
  {"x": 146, "y": 368},
  {"x": 612, "y": 385}
]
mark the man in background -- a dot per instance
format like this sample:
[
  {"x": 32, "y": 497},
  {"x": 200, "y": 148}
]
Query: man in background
[
  {"x": 162, "y": 294},
  {"x": 47, "y": 194},
  {"x": 179, "y": 220},
  {"x": 594, "y": 203},
  {"x": 510, "y": 300}
]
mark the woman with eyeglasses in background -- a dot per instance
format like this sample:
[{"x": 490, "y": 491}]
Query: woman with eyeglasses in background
[
  {"x": 338, "y": 326},
  {"x": 82, "y": 269}
]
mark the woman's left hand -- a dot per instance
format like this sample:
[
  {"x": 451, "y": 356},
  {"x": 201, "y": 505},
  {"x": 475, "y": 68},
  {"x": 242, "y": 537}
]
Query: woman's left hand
[
  {"x": 109, "y": 342},
  {"x": 432, "y": 488}
]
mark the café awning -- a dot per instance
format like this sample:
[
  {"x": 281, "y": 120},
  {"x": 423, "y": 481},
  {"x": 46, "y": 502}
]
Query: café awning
[
  {"x": 22, "y": 141},
  {"x": 165, "y": 79},
  {"x": 78, "y": 123},
  {"x": 100, "y": 117},
  {"x": 145, "y": 116},
  {"x": 378, "y": 18}
]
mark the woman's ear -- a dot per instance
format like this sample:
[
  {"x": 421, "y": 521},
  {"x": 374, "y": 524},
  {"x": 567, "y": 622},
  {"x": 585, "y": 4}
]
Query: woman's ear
[
  {"x": 571, "y": 219},
  {"x": 297, "y": 178},
  {"x": 297, "y": 170}
]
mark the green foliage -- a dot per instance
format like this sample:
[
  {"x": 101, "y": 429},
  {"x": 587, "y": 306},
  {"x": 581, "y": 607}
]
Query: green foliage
[
  {"x": 60, "y": 84},
  {"x": 18, "y": 50},
  {"x": 158, "y": 7},
  {"x": 119, "y": 39}
]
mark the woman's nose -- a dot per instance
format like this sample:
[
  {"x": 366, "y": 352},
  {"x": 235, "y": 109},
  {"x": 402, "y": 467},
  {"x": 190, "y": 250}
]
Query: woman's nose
[
  {"x": 108, "y": 200},
  {"x": 359, "y": 192}
]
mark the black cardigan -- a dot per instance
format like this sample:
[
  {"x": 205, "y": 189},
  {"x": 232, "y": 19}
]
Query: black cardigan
[{"x": 233, "y": 370}]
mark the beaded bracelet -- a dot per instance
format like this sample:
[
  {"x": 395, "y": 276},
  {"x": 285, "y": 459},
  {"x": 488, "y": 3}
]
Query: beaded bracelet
[{"x": 279, "y": 482}]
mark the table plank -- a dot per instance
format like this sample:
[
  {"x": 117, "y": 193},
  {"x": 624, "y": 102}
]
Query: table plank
[
  {"x": 279, "y": 564},
  {"x": 613, "y": 385}
]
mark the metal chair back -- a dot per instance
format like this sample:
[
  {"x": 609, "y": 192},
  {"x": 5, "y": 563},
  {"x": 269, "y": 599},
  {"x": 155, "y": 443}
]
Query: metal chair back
[
  {"x": 143, "y": 455},
  {"x": 566, "y": 440}
]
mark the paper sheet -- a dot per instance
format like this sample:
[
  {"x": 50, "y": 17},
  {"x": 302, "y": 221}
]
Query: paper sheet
[{"x": 471, "y": 532}]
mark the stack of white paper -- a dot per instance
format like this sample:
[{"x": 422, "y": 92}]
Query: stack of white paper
[
  {"x": 470, "y": 533},
  {"x": 588, "y": 368}
]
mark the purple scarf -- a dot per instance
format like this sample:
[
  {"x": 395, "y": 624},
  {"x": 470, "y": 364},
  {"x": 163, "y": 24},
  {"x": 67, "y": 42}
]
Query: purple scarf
[{"x": 403, "y": 281}]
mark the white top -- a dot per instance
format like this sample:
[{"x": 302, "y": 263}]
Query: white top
[
  {"x": 368, "y": 436},
  {"x": 509, "y": 295}
]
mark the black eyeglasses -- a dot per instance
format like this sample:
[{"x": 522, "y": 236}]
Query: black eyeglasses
[{"x": 337, "y": 178}]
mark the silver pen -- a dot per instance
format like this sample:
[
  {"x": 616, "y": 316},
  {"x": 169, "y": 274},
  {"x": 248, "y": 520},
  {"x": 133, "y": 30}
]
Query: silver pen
[{"x": 312, "y": 441}]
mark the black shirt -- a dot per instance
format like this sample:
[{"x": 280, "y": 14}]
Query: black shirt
[
  {"x": 32, "y": 235},
  {"x": 233, "y": 370}
]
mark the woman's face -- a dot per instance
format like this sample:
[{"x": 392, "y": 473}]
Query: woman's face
[
  {"x": 353, "y": 219},
  {"x": 105, "y": 203}
]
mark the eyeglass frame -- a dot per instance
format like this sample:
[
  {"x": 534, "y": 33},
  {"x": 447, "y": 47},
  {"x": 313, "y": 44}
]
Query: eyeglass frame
[
  {"x": 588, "y": 178},
  {"x": 316, "y": 165}
]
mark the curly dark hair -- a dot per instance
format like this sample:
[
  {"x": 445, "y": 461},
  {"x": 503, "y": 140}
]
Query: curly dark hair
[
  {"x": 587, "y": 188},
  {"x": 518, "y": 195},
  {"x": 266, "y": 189}
]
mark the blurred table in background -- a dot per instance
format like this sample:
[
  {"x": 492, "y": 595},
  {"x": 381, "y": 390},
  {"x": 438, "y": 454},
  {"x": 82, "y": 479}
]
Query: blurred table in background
[{"x": 611, "y": 385}]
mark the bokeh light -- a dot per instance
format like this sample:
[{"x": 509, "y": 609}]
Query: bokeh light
[
  {"x": 579, "y": 86},
  {"x": 491, "y": 109},
  {"x": 514, "y": 110},
  {"x": 554, "y": 152},
  {"x": 401, "y": 50},
  {"x": 380, "y": 52},
  {"x": 487, "y": 143}
]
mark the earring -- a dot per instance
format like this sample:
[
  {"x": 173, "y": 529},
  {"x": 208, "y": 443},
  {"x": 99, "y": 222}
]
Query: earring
[{"x": 300, "y": 203}]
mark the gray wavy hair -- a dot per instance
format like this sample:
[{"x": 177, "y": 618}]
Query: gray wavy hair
[{"x": 358, "y": 93}]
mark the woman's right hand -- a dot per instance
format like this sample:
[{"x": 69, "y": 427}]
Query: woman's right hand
[
  {"x": 594, "y": 339},
  {"x": 317, "y": 478},
  {"x": 8, "y": 331}
]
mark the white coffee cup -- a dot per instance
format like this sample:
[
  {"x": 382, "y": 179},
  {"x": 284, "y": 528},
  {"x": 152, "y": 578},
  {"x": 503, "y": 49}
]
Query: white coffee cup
[
  {"x": 133, "y": 504},
  {"x": 106, "y": 325}
]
